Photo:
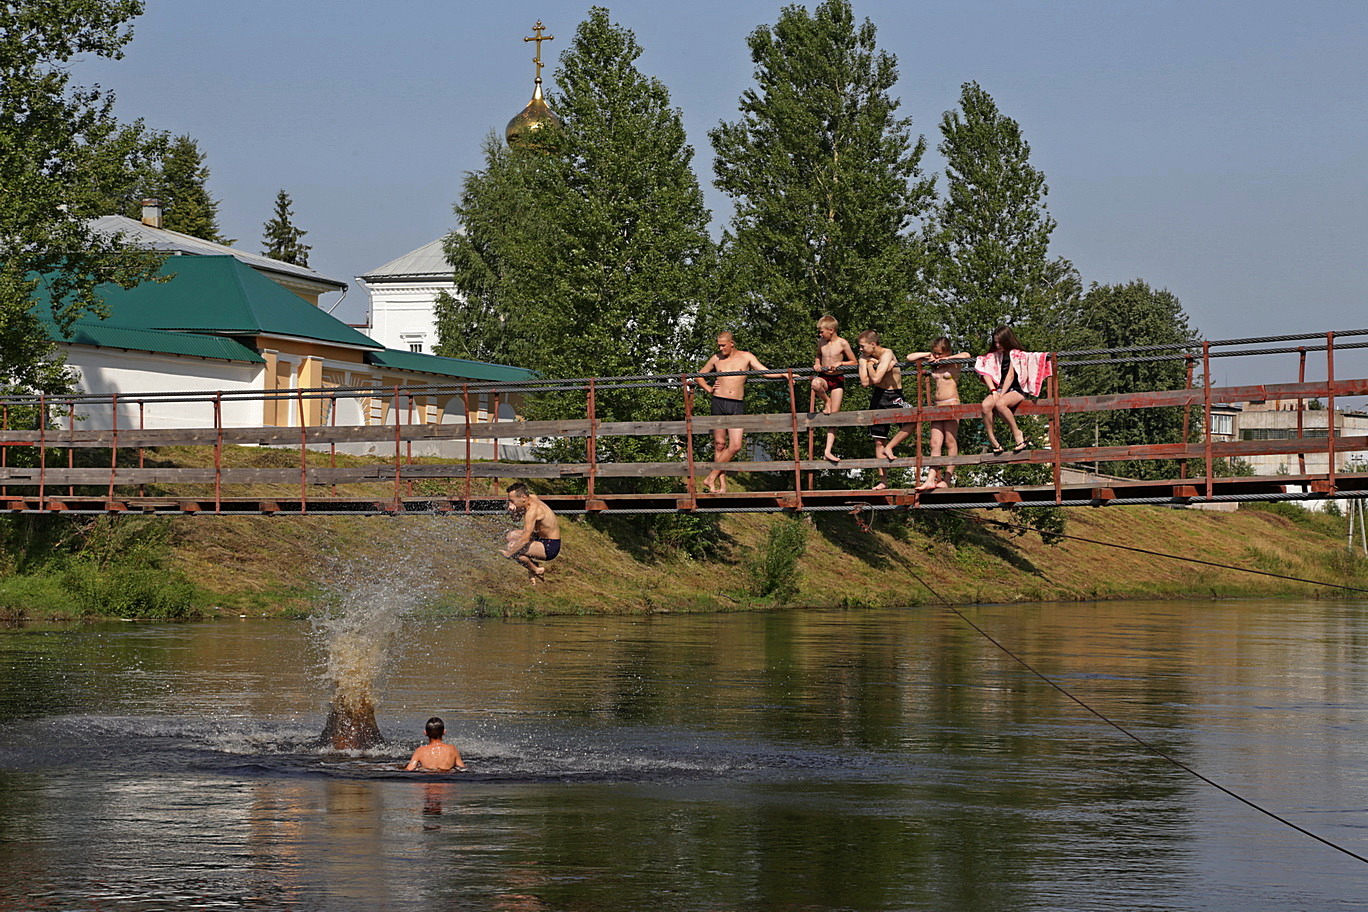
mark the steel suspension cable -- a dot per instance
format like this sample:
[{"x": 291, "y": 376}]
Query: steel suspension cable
[
  {"x": 1157, "y": 751},
  {"x": 1178, "y": 557}
]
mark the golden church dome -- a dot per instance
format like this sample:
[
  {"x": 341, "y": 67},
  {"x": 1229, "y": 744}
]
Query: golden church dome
[
  {"x": 522, "y": 130},
  {"x": 534, "y": 119}
]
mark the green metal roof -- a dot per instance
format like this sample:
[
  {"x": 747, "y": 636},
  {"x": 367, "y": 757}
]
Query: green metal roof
[
  {"x": 220, "y": 295},
  {"x": 103, "y": 335},
  {"x": 450, "y": 367}
]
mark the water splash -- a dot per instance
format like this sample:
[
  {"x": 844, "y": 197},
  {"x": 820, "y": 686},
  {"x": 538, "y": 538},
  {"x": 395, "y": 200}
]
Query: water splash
[{"x": 372, "y": 594}]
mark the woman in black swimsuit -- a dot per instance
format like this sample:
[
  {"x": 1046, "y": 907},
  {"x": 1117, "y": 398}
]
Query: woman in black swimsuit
[{"x": 1004, "y": 398}]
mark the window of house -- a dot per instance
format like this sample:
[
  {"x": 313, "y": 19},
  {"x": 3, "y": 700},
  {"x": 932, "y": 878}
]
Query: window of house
[
  {"x": 416, "y": 347},
  {"x": 1223, "y": 424}
]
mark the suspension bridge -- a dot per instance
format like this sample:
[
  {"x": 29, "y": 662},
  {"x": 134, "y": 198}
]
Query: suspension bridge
[{"x": 95, "y": 453}]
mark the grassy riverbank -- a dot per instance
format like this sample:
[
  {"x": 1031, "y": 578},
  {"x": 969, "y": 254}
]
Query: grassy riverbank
[{"x": 280, "y": 566}]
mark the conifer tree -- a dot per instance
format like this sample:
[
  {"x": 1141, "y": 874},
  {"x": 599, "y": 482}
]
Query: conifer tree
[
  {"x": 990, "y": 261},
  {"x": 826, "y": 181},
  {"x": 588, "y": 254},
  {"x": 184, "y": 192},
  {"x": 281, "y": 239}
]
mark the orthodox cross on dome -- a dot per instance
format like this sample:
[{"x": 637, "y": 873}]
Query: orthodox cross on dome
[{"x": 539, "y": 38}]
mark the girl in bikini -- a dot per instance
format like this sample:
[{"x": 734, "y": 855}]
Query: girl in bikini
[
  {"x": 1005, "y": 392},
  {"x": 943, "y": 433}
]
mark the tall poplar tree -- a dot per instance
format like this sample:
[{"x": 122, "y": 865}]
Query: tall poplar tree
[
  {"x": 827, "y": 186},
  {"x": 586, "y": 254},
  {"x": 53, "y": 140},
  {"x": 281, "y": 239},
  {"x": 990, "y": 261}
]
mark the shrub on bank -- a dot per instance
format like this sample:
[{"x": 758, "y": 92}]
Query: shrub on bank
[
  {"x": 773, "y": 571},
  {"x": 109, "y": 567}
]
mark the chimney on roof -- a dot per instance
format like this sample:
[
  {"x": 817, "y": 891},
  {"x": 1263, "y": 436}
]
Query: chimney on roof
[{"x": 152, "y": 213}]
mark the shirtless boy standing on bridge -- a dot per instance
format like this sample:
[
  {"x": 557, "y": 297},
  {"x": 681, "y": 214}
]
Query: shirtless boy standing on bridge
[
  {"x": 879, "y": 370},
  {"x": 728, "y": 398},
  {"x": 833, "y": 353},
  {"x": 539, "y": 539}
]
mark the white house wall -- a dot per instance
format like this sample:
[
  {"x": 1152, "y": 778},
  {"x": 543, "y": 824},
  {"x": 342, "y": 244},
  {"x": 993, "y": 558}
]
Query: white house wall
[
  {"x": 405, "y": 313},
  {"x": 128, "y": 373},
  {"x": 112, "y": 370}
]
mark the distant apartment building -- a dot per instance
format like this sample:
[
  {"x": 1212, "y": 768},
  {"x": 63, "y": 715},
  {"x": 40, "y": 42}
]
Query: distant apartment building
[{"x": 1276, "y": 419}]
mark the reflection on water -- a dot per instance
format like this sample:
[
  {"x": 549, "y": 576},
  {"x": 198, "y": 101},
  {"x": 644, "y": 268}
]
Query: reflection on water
[{"x": 804, "y": 760}]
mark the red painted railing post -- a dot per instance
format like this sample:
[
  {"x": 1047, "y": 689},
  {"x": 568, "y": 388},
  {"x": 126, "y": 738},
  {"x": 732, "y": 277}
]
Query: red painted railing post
[
  {"x": 797, "y": 456},
  {"x": 1330, "y": 410},
  {"x": 408, "y": 444},
  {"x": 917, "y": 438},
  {"x": 812, "y": 408},
  {"x": 689, "y": 484},
  {"x": 1301, "y": 407},
  {"x": 1187, "y": 421},
  {"x": 42, "y": 451},
  {"x": 303, "y": 454},
  {"x": 218, "y": 452},
  {"x": 398, "y": 456},
  {"x": 496, "y": 418},
  {"x": 1206, "y": 423},
  {"x": 142, "y": 452},
  {"x": 4, "y": 451},
  {"x": 113, "y": 444},
  {"x": 71, "y": 449},
  {"x": 465, "y": 400},
  {"x": 1056, "y": 429},
  {"x": 332, "y": 444},
  {"x": 591, "y": 407}
]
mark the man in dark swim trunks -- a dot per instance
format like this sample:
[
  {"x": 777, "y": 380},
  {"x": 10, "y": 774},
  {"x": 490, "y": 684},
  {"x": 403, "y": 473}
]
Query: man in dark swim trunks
[
  {"x": 539, "y": 539},
  {"x": 833, "y": 353},
  {"x": 727, "y": 399},
  {"x": 879, "y": 369}
]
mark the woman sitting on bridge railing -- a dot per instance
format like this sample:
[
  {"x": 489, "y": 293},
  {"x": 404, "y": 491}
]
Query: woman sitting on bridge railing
[{"x": 1011, "y": 374}]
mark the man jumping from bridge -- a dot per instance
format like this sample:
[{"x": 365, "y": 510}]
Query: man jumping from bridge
[
  {"x": 539, "y": 539},
  {"x": 728, "y": 398}
]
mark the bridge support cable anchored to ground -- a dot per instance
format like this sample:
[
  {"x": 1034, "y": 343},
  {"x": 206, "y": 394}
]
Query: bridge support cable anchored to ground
[
  {"x": 1103, "y": 717},
  {"x": 450, "y": 421},
  {"x": 983, "y": 520}
]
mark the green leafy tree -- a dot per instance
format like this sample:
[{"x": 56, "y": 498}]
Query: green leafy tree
[
  {"x": 1118, "y": 316},
  {"x": 504, "y": 256},
  {"x": 990, "y": 239},
  {"x": 281, "y": 239},
  {"x": 184, "y": 192},
  {"x": 55, "y": 141},
  {"x": 588, "y": 254},
  {"x": 827, "y": 185}
]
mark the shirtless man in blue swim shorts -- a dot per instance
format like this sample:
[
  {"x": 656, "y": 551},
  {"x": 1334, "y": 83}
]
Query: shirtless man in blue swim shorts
[{"x": 539, "y": 539}]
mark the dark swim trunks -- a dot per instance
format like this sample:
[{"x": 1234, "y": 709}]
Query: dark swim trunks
[
  {"x": 833, "y": 381},
  {"x": 724, "y": 406},
  {"x": 551, "y": 546},
  {"x": 880, "y": 398}
]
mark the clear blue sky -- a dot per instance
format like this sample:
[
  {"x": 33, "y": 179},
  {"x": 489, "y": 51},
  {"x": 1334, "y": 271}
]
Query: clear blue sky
[{"x": 1218, "y": 149}]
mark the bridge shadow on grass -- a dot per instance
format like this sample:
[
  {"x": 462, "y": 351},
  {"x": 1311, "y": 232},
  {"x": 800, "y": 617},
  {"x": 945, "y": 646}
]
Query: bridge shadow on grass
[
  {"x": 842, "y": 531},
  {"x": 846, "y": 533},
  {"x": 653, "y": 538}
]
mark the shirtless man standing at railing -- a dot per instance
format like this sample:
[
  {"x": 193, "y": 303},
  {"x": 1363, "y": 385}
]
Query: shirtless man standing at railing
[{"x": 728, "y": 398}]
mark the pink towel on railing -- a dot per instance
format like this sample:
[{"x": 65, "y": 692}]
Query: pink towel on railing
[{"x": 1032, "y": 369}]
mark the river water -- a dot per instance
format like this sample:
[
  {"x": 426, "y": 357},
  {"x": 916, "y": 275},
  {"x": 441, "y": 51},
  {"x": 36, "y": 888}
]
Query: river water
[{"x": 881, "y": 759}]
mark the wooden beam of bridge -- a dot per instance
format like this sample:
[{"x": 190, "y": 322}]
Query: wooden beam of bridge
[
  {"x": 765, "y": 423},
  {"x": 386, "y": 472},
  {"x": 1177, "y": 492}
]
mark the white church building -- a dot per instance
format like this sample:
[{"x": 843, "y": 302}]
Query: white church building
[{"x": 403, "y": 296}]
